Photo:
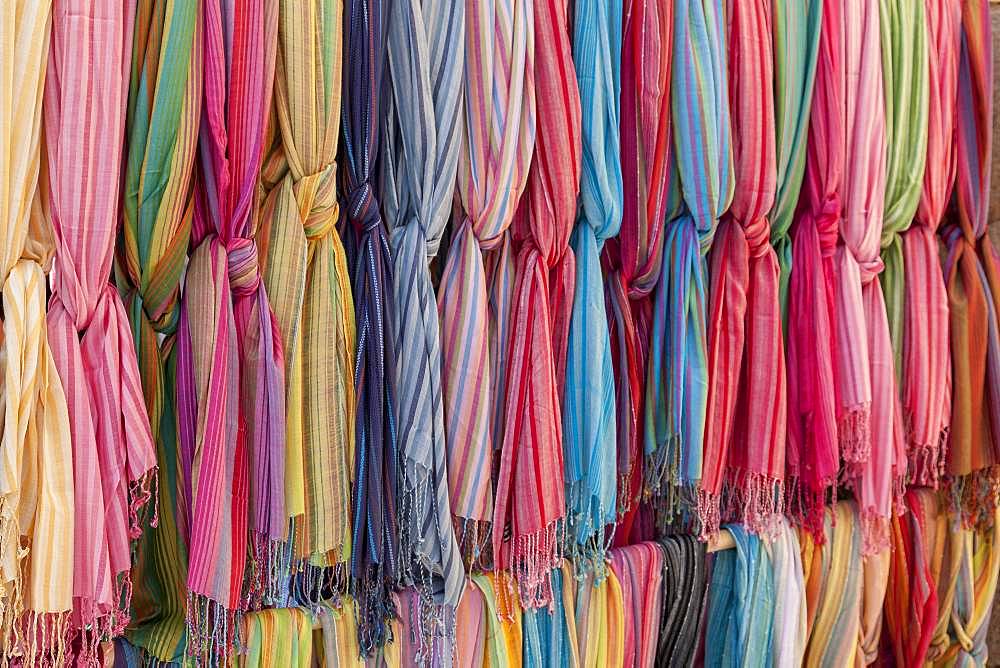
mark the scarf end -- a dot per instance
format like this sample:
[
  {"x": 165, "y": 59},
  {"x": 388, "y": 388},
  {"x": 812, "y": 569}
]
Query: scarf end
[
  {"x": 926, "y": 460},
  {"x": 213, "y": 632},
  {"x": 474, "y": 542},
  {"x": 374, "y": 609},
  {"x": 431, "y": 625},
  {"x": 756, "y": 500},
  {"x": 854, "y": 431},
  {"x": 975, "y": 497},
  {"x": 42, "y": 639},
  {"x": 532, "y": 558},
  {"x": 807, "y": 505},
  {"x": 140, "y": 492},
  {"x": 269, "y": 571},
  {"x": 874, "y": 532},
  {"x": 661, "y": 469}
]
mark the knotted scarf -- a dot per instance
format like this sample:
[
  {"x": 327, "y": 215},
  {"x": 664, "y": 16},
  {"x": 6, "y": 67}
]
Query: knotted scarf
[
  {"x": 631, "y": 260},
  {"x": 700, "y": 113},
  {"x": 589, "y": 418},
  {"x": 926, "y": 366},
  {"x": 812, "y": 455},
  {"x": 788, "y": 638},
  {"x": 550, "y": 635},
  {"x": 971, "y": 272},
  {"x": 230, "y": 365},
  {"x": 745, "y": 426},
  {"x": 473, "y": 301},
  {"x": 304, "y": 269},
  {"x": 280, "y": 637},
  {"x": 375, "y": 549},
  {"x": 836, "y": 575},
  {"x": 36, "y": 483},
  {"x": 114, "y": 460},
  {"x": 740, "y": 604},
  {"x": 639, "y": 569},
  {"x": 531, "y": 496},
  {"x": 164, "y": 113},
  {"x": 683, "y": 598},
  {"x": 420, "y": 158},
  {"x": 600, "y": 621},
  {"x": 865, "y": 378}
]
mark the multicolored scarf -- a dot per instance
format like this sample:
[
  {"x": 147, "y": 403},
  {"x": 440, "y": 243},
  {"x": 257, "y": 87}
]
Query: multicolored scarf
[
  {"x": 161, "y": 143},
  {"x": 474, "y": 299},
  {"x": 744, "y": 450},
  {"x": 36, "y": 473},
  {"x": 926, "y": 366},
  {"x": 600, "y": 617},
  {"x": 488, "y": 634},
  {"x": 550, "y": 635},
  {"x": 531, "y": 497},
  {"x": 304, "y": 269},
  {"x": 419, "y": 162},
  {"x": 788, "y": 636},
  {"x": 339, "y": 632},
  {"x": 230, "y": 364},
  {"x": 114, "y": 459},
  {"x": 639, "y": 569},
  {"x": 812, "y": 455},
  {"x": 375, "y": 549},
  {"x": 589, "y": 417},
  {"x": 280, "y": 637},
  {"x": 700, "y": 112},
  {"x": 683, "y": 597}
]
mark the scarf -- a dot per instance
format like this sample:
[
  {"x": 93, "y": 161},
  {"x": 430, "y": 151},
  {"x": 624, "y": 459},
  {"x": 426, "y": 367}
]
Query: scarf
[
  {"x": 589, "y": 418},
  {"x": 865, "y": 377},
  {"x": 530, "y": 499},
  {"x": 926, "y": 366},
  {"x": 230, "y": 380},
  {"x": 740, "y": 604},
  {"x": 970, "y": 270},
  {"x": 836, "y": 578},
  {"x": 911, "y": 605},
  {"x": 474, "y": 295},
  {"x": 683, "y": 598},
  {"x": 113, "y": 456},
  {"x": 632, "y": 260},
  {"x": 700, "y": 113},
  {"x": 550, "y": 635},
  {"x": 339, "y": 636},
  {"x": 278, "y": 638},
  {"x": 420, "y": 159},
  {"x": 812, "y": 455},
  {"x": 746, "y": 363},
  {"x": 504, "y": 637},
  {"x": 36, "y": 529},
  {"x": 600, "y": 621},
  {"x": 788, "y": 639},
  {"x": 374, "y": 540},
  {"x": 639, "y": 569},
  {"x": 304, "y": 270},
  {"x": 161, "y": 139}
]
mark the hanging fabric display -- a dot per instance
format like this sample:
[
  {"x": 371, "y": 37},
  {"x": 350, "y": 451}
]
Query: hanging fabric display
[
  {"x": 278, "y": 638},
  {"x": 684, "y": 583},
  {"x": 550, "y": 634},
  {"x": 789, "y": 635},
  {"x": 639, "y": 569},
  {"x": 600, "y": 621},
  {"x": 113, "y": 456}
]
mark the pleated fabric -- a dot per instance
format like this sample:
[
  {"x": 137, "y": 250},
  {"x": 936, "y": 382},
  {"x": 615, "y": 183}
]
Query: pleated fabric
[
  {"x": 164, "y": 112},
  {"x": 230, "y": 363},
  {"x": 419, "y": 162},
  {"x": 588, "y": 413},
  {"x": 925, "y": 370},
  {"x": 835, "y": 577},
  {"x": 599, "y": 621},
  {"x": 498, "y": 139},
  {"x": 812, "y": 453},
  {"x": 113, "y": 456},
  {"x": 550, "y": 636},
  {"x": 36, "y": 474},
  {"x": 531, "y": 496},
  {"x": 304, "y": 269},
  {"x": 745, "y": 422},
  {"x": 683, "y": 598},
  {"x": 867, "y": 418},
  {"x": 702, "y": 141},
  {"x": 970, "y": 270},
  {"x": 639, "y": 569},
  {"x": 632, "y": 260},
  {"x": 789, "y": 635},
  {"x": 278, "y": 637}
]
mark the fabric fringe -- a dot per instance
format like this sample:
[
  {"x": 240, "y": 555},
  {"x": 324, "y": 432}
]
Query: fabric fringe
[
  {"x": 807, "y": 507},
  {"x": 42, "y": 640},
  {"x": 975, "y": 497},
  {"x": 661, "y": 469},
  {"x": 874, "y": 532},
  {"x": 474, "y": 543},
  {"x": 139, "y": 494},
  {"x": 854, "y": 429},
  {"x": 268, "y": 572},
  {"x": 374, "y": 608},
  {"x": 429, "y": 622},
  {"x": 533, "y": 556},
  {"x": 213, "y": 632},
  {"x": 925, "y": 460},
  {"x": 750, "y": 498}
]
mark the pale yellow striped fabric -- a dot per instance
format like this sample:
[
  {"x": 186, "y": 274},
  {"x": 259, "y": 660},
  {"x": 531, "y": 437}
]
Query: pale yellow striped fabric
[{"x": 36, "y": 483}]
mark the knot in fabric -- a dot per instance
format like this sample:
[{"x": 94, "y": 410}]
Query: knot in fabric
[
  {"x": 244, "y": 273},
  {"x": 758, "y": 236},
  {"x": 316, "y": 195},
  {"x": 827, "y": 222},
  {"x": 870, "y": 269},
  {"x": 363, "y": 208}
]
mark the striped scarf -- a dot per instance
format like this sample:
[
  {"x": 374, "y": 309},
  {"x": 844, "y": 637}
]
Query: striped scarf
[
  {"x": 474, "y": 295},
  {"x": 530, "y": 498},
  {"x": 700, "y": 112},
  {"x": 230, "y": 380},
  {"x": 114, "y": 458},
  {"x": 375, "y": 549},
  {"x": 632, "y": 259},
  {"x": 973, "y": 281},
  {"x": 278, "y": 638},
  {"x": 683, "y": 597},
  {"x": 162, "y": 137},
  {"x": 812, "y": 457},
  {"x": 304, "y": 269},
  {"x": 926, "y": 365},
  {"x": 36, "y": 529},
  {"x": 600, "y": 621},
  {"x": 589, "y": 419},
  {"x": 639, "y": 569},
  {"x": 744, "y": 449},
  {"x": 488, "y": 635},
  {"x": 789, "y": 634},
  {"x": 865, "y": 380},
  {"x": 550, "y": 635},
  {"x": 419, "y": 161}
]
